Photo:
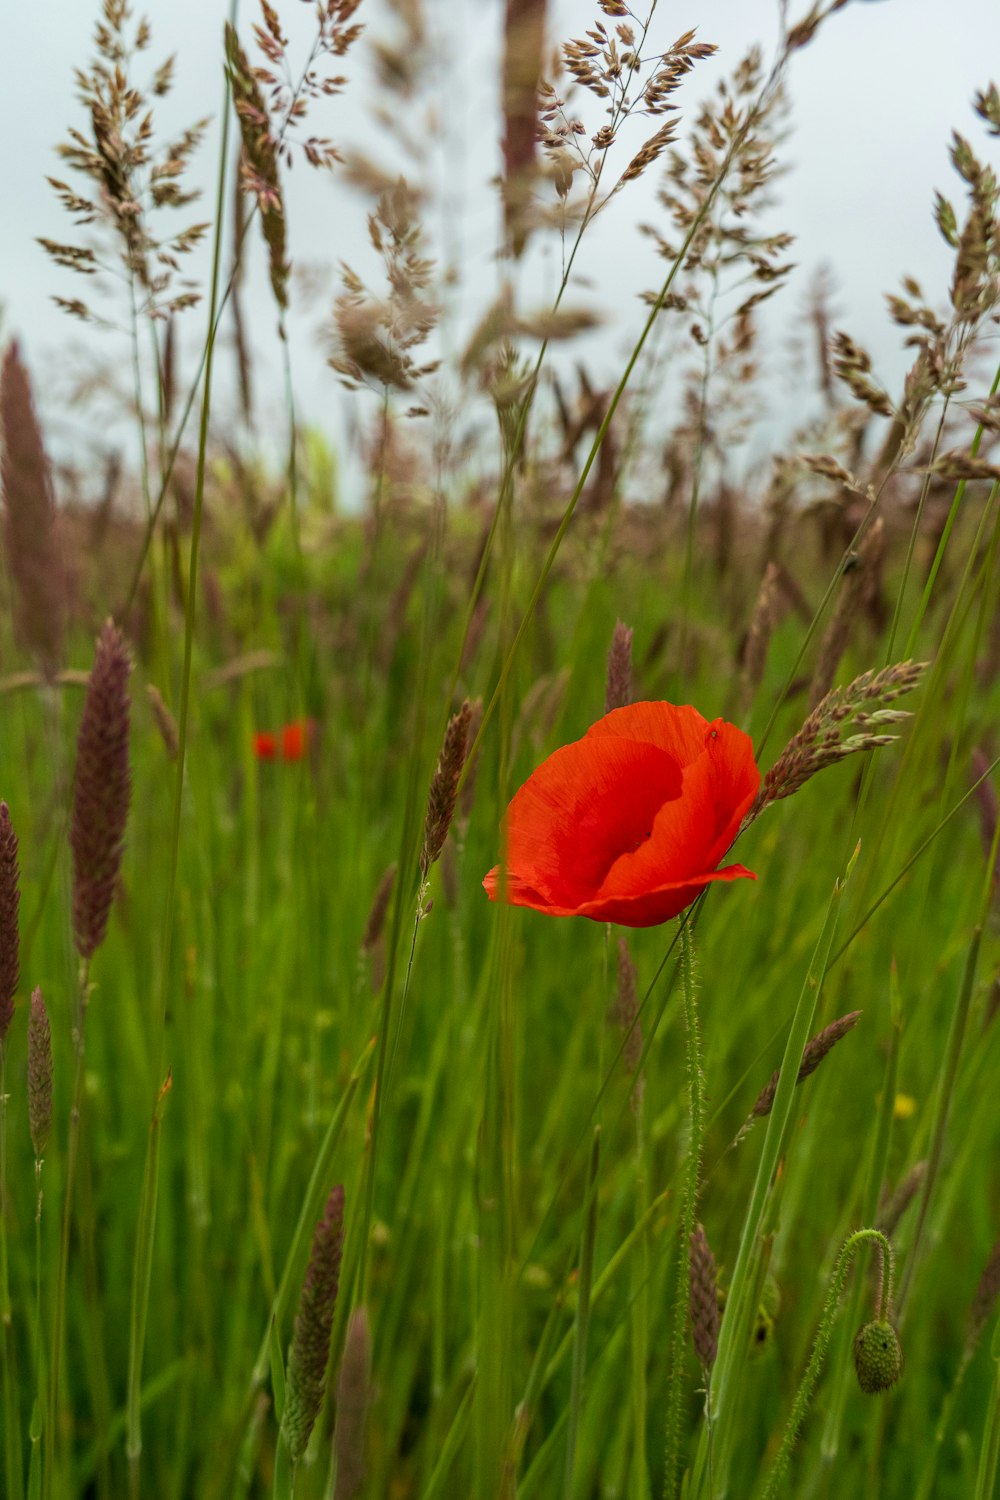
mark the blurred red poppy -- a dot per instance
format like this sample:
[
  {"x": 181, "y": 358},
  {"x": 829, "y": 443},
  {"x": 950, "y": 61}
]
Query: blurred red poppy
[
  {"x": 629, "y": 824},
  {"x": 292, "y": 743}
]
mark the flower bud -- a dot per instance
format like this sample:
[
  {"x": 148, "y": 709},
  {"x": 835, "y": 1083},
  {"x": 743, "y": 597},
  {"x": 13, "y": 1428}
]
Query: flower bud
[{"x": 878, "y": 1357}]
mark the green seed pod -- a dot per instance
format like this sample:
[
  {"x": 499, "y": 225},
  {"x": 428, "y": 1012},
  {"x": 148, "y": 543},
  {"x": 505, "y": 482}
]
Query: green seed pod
[{"x": 878, "y": 1357}]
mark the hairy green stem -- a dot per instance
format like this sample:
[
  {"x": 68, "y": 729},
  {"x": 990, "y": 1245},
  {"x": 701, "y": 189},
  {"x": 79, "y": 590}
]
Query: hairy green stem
[
  {"x": 689, "y": 1206},
  {"x": 807, "y": 1385}
]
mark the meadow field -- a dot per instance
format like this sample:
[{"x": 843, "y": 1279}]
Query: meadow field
[{"x": 324, "y": 1170}]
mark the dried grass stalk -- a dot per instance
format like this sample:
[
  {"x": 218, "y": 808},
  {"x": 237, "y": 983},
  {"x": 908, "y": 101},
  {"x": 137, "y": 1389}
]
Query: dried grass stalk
[
  {"x": 310, "y": 1350},
  {"x": 32, "y": 552},
  {"x": 762, "y": 623},
  {"x": 102, "y": 790},
  {"x": 9, "y": 903},
  {"x": 259, "y": 171}
]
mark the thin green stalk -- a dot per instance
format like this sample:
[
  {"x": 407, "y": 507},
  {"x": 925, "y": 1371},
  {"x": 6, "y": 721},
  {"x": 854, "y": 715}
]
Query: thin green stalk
[
  {"x": 989, "y": 1451},
  {"x": 688, "y": 1213},
  {"x": 956, "y": 506},
  {"x": 807, "y": 1385},
  {"x": 735, "y": 1329},
  {"x": 35, "y": 1430},
  {"x": 141, "y": 1279},
  {"x": 62, "y": 1274},
  {"x": 147, "y": 1211},
  {"x": 830, "y": 1443},
  {"x": 953, "y": 1051},
  {"x": 12, "y": 1426},
  {"x": 311, "y": 1202},
  {"x": 5, "y": 1308},
  {"x": 583, "y": 1291}
]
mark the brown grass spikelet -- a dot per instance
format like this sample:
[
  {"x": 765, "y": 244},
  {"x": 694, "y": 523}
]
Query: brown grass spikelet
[
  {"x": 353, "y": 1396},
  {"x": 165, "y": 721},
  {"x": 9, "y": 903},
  {"x": 259, "y": 168},
  {"x": 102, "y": 790},
  {"x": 618, "y": 693},
  {"x": 379, "y": 909},
  {"x": 39, "y": 1074},
  {"x": 984, "y": 1299},
  {"x": 817, "y": 1048},
  {"x": 896, "y": 1204},
  {"x": 821, "y": 742},
  {"x": 30, "y": 516},
  {"x": 444, "y": 787},
  {"x": 861, "y": 576},
  {"x": 762, "y": 623},
  {"x": 310, "y": 1348},
  {"x": 703, "y": 1298}
]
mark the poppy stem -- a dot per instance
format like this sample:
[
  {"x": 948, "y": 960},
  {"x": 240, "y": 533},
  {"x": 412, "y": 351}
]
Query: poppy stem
[{"x": 689, "y": 1208}]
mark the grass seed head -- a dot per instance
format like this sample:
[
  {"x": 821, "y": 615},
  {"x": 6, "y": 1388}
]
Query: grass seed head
[
  {"x": 39, "y": 1074},
  {"x": 703, "y": 1299},
  {"x": 816, "y": 1049},
  {"x": 102, "y": 790},
  {"x": 32, "y": 553},
  {"x": 444, "y": 786},
  {"x": 353, "y": 1396},
  {"x": 310, "y": 1350},
  {"x": 618, "y": 693},
  {"x": 9, "y": 902}
]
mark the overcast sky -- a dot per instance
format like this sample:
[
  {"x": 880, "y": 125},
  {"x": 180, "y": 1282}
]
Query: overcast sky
[{"x": 874, "y": 101}]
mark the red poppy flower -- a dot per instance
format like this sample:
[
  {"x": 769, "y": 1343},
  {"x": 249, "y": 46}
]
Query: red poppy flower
[
  {"x": 629, "y": 824},
  {"x": 291, "y": 744}
]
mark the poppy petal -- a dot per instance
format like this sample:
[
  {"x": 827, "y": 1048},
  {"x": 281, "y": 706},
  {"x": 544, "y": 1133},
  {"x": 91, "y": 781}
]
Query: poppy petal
[
  {"x": 675, "y": 727},
  {"x": 584, "y": 806}
]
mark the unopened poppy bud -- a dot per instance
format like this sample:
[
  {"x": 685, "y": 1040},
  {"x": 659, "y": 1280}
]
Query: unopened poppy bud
[{"x": 878, "y": 1357}]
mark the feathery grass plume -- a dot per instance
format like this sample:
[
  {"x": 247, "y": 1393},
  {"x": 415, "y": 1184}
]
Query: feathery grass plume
[
  {"x": 524, "y": 43},
  {"x": 101, "y": 791},
  {"x": 32, "y": 553},
  {"x": 130, "y": 181},
  {"x": 816, "y": 1049},
  {"x": 820, "y": 742},
  {"x": 165, "y": 721},
  {"x": 444, "y": 787},
  {"x": 9, "y": 903},
  {"x": 703, "y": 1301},
  {"x": 353, "y": 1395},
  {"x": 310, "y": 1349},
  {"x": 860, "y": 575},
  {"x": 259, "y": 167},
  {"x": 618, "y": 693},
  {"x": 39, "y": 1074},
  {"x": 373, "y": 338}
]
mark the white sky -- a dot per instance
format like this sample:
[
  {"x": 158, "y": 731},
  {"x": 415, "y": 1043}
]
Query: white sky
[{"x": 874, "y": 100}]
